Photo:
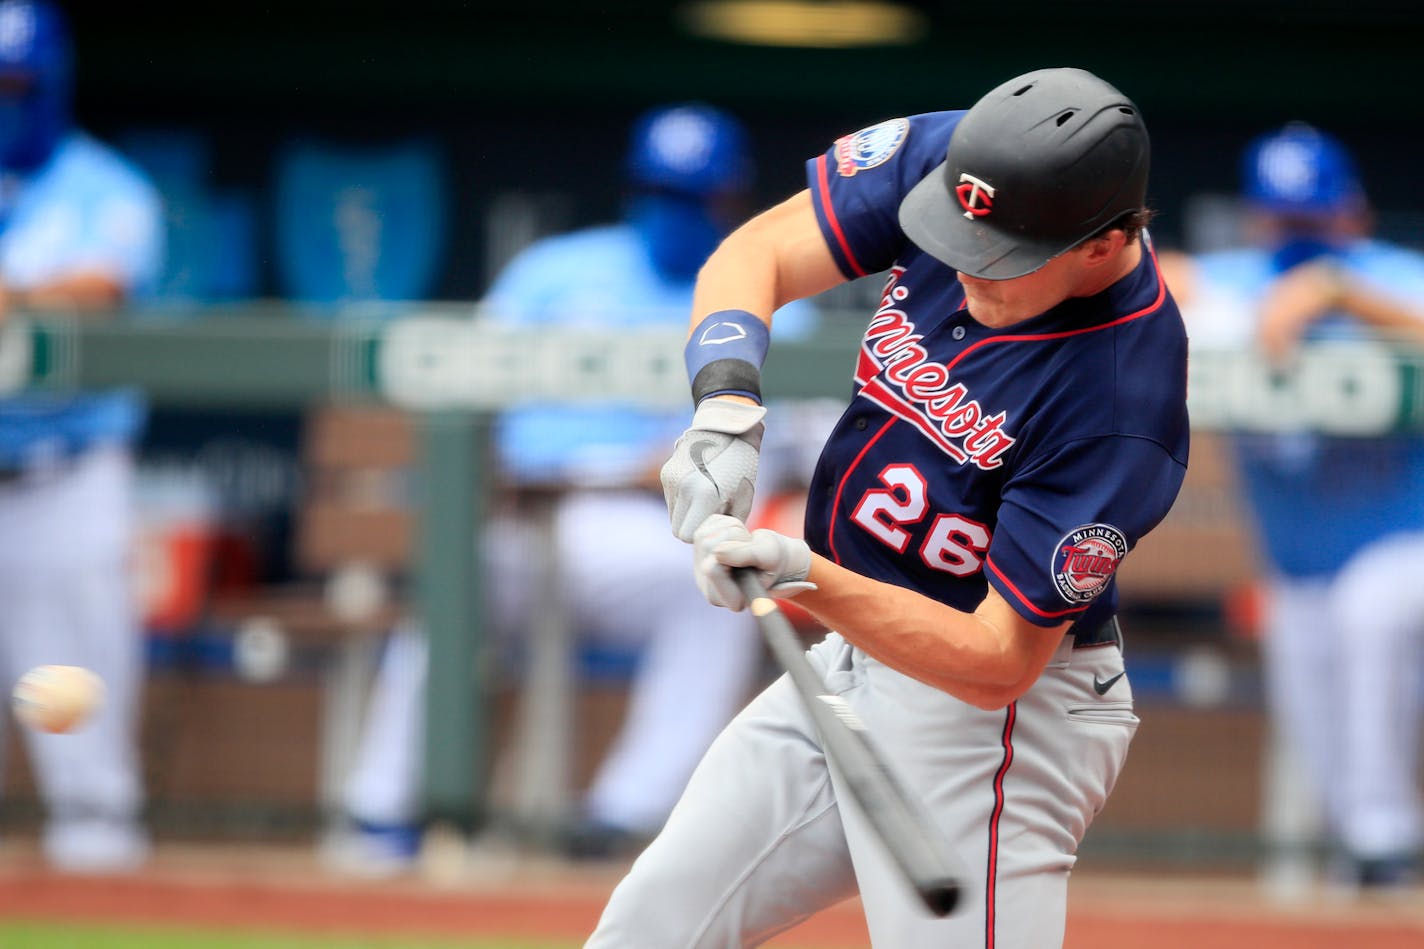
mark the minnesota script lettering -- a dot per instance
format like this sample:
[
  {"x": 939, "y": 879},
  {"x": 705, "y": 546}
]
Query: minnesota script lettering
[{"x": 896, "y": 372}]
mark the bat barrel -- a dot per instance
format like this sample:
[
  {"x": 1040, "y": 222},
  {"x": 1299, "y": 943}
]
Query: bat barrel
[{"x": 899, "y": 819}]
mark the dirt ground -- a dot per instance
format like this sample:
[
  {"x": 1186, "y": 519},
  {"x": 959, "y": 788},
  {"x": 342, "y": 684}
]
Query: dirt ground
[{"x": 484, "y": 891}]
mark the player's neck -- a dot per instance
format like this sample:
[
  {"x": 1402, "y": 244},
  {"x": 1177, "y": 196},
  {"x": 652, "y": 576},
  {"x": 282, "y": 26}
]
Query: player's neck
[{"x": 1079, "y": 273}]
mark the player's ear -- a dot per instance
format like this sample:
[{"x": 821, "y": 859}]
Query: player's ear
[{"x": 1104, "y": 247}]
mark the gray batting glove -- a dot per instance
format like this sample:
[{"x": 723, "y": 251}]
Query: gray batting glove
[
  {"x": 713, "y": 467},
  {"x": 723, "y": 542}
]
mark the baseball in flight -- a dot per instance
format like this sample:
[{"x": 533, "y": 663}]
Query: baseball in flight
[{"x": 57, "y": 699}]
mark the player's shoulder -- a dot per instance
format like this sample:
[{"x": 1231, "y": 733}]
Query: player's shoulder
[
  {"x": 601, "y": 239},
  {"x": 939, "y": 124},
  {"x": 97, "y": 162},
  {"x": 932, "y": 131},
  {"x": 99, "y": 184},
  {"x": 1387, "y": 257},
  {"x": 921, "y": 139},
  {"x": 1231, "y": 258},
  {"x": 1243, "y": 269},
  {"x": 581, "y": 258},
  {"x": 1131, "y": 378},
  {"x": 590, "y": 247}
]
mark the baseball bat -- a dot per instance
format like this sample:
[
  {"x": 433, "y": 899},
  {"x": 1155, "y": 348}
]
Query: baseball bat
[{"x": 900, "y": 820}]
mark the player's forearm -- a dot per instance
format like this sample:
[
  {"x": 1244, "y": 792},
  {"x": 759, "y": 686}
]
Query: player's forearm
[
  {"x": 965, "y": 654},
  {"x": 1384, "y": 314},
  {"x": 740, "y": 275},
  {"x": 774, "y": 258},
  {"x": 82, "y": 292}
]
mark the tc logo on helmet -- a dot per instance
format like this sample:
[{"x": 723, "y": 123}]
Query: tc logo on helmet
[{"x": 975, "y": 196}]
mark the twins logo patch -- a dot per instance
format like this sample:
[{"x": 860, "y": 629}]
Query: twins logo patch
[
  {"x": 1086, "y": 559},
  {"x": 869, "y": 147}
]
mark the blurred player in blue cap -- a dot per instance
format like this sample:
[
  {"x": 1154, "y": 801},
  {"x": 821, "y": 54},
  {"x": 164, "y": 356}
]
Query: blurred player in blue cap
[
  {"x": 80, "y": 230},
  {"x": 687, "y": 171},
  {"x": 1304, "y": 196},
  {"x": 688, "y": 168},
  {"x": 1340, "y": 520}
]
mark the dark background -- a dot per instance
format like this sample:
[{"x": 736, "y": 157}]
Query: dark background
[{"x": 536, "y": 97}]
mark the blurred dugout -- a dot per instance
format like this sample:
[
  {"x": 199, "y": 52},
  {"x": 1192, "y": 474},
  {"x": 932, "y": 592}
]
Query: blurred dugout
[{"x": 263, "y": 756}]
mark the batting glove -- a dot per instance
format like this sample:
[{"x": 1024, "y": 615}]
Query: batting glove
[
  {"x": 713, "y": 466},
  {"x": 723, "y": 542}
]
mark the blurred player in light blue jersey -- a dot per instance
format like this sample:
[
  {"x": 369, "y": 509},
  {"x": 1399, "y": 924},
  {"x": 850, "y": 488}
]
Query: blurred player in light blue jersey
[
  {"x": 80, "y": 231},
  {"x": 687, "y": 170},
  {"x": 1340, "y": 519}
]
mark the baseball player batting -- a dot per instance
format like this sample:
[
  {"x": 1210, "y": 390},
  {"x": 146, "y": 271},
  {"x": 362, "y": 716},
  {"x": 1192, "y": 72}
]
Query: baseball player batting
[{"x": 1018, "y": 423}]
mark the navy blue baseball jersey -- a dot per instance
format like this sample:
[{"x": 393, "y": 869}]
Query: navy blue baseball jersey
[{"x": 1032, "y": 458}]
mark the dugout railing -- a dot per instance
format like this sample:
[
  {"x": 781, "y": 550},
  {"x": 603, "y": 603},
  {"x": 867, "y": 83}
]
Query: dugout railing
[{"x": 451, "y": 373}]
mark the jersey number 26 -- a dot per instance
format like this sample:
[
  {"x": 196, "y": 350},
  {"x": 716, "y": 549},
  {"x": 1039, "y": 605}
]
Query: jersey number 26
[{"x": 954, "y": 543}]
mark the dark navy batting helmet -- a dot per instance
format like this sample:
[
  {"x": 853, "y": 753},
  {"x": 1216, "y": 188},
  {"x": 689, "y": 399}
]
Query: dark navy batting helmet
[
  {"x": 35, "y": 82},
  {"x": 1034, "y": 168},
  {"x": 693, "y": 149}
]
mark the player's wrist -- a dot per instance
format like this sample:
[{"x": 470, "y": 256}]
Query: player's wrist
[
  {"x": 728, "y": 416},
  {"x": 794, "y": 574},
  {"x": 724, "y": 356}
]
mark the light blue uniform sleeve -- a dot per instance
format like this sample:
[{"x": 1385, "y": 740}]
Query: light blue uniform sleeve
[
  {"x": 596, "y": 278},
  {"x": 797, "y": 320},
  {"x": 123, "y": 233},
  {"x": 88, "y": 211},
  {"x": 517, "y": 293},
  {"x": 1317, "y": 500}
]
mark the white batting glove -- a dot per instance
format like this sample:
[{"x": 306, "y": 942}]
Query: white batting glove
[
  {"x": 713, "y": 466},
  {"x": 723, "y": 542}
]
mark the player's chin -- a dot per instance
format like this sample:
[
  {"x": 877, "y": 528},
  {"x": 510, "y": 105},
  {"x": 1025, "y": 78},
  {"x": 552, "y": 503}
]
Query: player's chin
[
  {"x": 976, "y": 290},
  {"x": 984, "y": 307}
]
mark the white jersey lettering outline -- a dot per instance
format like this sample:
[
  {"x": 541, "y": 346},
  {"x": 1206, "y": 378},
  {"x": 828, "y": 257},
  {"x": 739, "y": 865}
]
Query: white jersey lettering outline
[{"x": 896, "y": 373}]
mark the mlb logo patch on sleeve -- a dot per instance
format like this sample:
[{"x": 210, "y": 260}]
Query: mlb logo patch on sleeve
[
  {"x": 1086, "y": 559},
  {"x": 872, "y": 146}
]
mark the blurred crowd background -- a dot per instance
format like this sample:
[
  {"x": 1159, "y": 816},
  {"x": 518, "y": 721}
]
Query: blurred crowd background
[
  {"x": 518, "y": 109},
  {"x": 323, "y": 162}
]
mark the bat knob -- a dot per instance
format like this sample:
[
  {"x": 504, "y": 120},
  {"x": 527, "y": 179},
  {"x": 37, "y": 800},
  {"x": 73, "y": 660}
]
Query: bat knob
[{"x": 941, "y": 898}]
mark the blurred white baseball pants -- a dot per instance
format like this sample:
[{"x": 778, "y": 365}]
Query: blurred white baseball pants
[
  {"x": 628, "y": 582},
  {"x": 1344, "y": 659},
  {"x": 66, "y": 597}
]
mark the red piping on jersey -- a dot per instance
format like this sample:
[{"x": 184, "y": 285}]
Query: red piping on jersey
[
  {"x": 1025, "y": 600},
  {"x": 840, "y": 488},
  {"x": 824, "y": 185},
  {"x": 1040, "y": 337},
  {"x": 992, "y": 870}
]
